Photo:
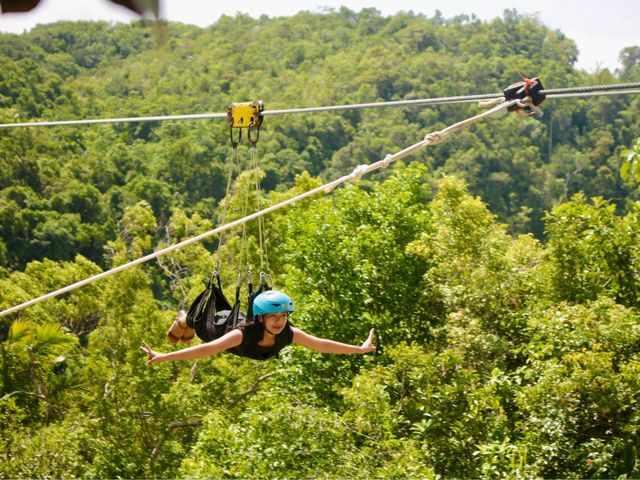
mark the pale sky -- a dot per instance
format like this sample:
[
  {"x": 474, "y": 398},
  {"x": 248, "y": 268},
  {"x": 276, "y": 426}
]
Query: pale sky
[{"x": 600, "y": 28}]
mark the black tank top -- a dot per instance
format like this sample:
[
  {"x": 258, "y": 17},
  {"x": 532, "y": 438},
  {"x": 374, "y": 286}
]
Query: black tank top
[{"x": 252, "y": 334}]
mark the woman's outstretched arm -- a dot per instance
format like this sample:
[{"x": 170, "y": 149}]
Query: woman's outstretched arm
[
  {"x": 324, "y": 345},
  {"x": 204, "y": 350}
]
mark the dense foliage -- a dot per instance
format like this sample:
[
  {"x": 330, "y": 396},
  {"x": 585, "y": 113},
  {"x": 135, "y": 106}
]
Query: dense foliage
[{"x": 501, "y": 268}]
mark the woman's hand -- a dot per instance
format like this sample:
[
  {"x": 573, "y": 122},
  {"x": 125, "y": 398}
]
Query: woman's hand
[
  {"x": 368, "y": 345},
  {"x": 152, "y": 355}
]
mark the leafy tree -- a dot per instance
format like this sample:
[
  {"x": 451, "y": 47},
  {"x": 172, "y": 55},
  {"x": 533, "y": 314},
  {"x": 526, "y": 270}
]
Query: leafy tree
[
  {"x": 135, "y": 233},
  {"x": 630, "y": 59},
  {"x": 79, "y": 313},
  {"x": 577, "y": 408},
  {"x": 593, "y": 251},
  {"x": 475, "y": 265},
  {"x": 31, "y": 356},
  {"x": 188, "y": 269},
  {"x": 630, "y": 169},
  {"x": 504, "y": 298},
  {"x": 347, "y": 260}
]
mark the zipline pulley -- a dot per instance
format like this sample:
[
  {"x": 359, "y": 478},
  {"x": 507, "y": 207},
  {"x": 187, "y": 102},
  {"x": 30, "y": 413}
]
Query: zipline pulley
[
  {"x": 245, "y": 115},
  {"x": 528, "y": 87},
  {"x": 211, "y": 312}
]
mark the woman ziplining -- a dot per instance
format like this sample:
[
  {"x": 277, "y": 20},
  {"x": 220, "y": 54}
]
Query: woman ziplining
[
  {"x": 259, "y": 338},
  {"x": 265, "y": 330}
]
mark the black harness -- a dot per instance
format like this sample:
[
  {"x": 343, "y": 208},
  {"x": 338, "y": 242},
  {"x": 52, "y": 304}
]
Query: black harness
[{"x": 212, "y": 316}]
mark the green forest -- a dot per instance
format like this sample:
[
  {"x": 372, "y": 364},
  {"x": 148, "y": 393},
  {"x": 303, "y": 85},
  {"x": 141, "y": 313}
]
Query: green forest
[{"x": 500, "y": 268}]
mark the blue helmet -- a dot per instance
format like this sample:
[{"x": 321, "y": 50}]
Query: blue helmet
[{"x": 272, "y": 301}]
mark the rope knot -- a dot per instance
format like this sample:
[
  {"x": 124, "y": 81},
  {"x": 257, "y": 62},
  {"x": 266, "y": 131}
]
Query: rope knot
[
  {"x": 527, "y": 104},
  {"x": 388, "y": 158},
  {"x": 434, "y": 138},
  {"x": 358, "y": 172}
]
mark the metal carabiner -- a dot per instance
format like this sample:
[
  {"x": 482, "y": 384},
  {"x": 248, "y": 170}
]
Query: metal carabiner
[
  {"x": 265, "y": 278},
  {"x": 252, "y": 140},
  {"x": 234, "y": 142}
]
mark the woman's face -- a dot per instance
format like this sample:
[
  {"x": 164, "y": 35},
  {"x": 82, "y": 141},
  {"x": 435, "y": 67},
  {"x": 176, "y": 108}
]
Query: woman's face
[{"x": 274, "y": 322}]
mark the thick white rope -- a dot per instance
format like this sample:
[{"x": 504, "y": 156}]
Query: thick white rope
[{"x": 430, "y": 139}]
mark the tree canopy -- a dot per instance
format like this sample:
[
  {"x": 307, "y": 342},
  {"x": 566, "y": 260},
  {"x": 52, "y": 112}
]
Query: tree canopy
[{"x": 499, "y": 268}]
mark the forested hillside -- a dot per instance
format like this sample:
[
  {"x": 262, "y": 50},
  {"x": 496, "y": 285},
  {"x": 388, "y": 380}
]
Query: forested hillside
[{"x": 500, "y": 268}]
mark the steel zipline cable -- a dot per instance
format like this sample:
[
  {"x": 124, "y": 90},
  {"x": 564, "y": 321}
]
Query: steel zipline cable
[{"x": 571, "y": 92}]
